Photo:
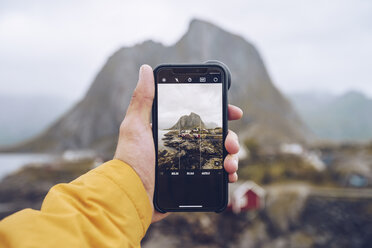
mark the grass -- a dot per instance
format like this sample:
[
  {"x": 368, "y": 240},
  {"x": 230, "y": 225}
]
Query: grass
[{"x": 283, "y": 168}]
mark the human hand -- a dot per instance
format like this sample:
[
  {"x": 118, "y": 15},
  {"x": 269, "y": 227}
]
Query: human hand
[{"x": 136, "y": 146}]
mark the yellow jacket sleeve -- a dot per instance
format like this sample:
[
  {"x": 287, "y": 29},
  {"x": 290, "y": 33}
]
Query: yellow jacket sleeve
[{"x": 106, "y": 207}]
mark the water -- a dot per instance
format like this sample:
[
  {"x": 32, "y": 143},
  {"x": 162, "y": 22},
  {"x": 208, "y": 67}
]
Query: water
[
  {"x": 160, "y": 136},
  {"x": 10, "y": 162},
  {"x": 161, "y": 142}
]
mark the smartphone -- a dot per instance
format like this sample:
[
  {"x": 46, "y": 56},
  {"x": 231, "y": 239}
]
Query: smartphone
[{"x": 189, "y": 128}]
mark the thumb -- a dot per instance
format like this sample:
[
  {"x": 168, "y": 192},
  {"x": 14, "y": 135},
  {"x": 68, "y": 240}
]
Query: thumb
[{"x": 143, "y": 95}]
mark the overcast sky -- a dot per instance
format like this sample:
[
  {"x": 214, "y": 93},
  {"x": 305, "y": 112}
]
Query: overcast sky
[
  {"x": 57, "y": 47},
  {"x": 176, "y": 100}
]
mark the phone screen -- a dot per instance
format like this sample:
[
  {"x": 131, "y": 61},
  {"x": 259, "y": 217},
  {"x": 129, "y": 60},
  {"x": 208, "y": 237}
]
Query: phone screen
[{"x": 190, "y": 135}]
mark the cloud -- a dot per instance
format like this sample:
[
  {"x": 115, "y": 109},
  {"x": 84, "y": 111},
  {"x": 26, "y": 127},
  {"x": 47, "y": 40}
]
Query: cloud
[
  {"x": 51, "y": 47},
  {"x": 176, "y": 100}
]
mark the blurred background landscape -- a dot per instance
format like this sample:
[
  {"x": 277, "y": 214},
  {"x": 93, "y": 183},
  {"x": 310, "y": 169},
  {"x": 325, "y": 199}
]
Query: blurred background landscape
[{"x": 300, "y": 72}]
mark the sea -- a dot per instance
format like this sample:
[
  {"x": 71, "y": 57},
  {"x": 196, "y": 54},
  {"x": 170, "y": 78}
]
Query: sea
[
  {"x": 160, "y": 136},
  {"x": 161, "y": 142},
  {"x": 11, "y": 162}
]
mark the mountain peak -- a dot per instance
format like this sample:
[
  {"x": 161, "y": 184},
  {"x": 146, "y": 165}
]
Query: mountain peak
[
  {"x": 198, "y": 27},
  {"x": 95, "y": 120},
  {"x": 189, "y": 121},
  {"x": 198, "y": 23}
]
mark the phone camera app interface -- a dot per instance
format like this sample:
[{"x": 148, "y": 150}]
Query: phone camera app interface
[{"x": 190, "y": 126}]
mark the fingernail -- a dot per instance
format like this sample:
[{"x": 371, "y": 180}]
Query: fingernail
[{"x": 140, "y": 72}]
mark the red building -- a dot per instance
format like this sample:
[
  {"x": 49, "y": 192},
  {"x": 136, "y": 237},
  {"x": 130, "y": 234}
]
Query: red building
[{"x": 246, "y": 196}]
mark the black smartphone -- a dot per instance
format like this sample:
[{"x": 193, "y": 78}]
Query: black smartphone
[{"x": 189, "y": 127}]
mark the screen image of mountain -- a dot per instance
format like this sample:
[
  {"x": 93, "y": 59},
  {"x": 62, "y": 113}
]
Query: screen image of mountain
[{"x": 190, "y": 145}]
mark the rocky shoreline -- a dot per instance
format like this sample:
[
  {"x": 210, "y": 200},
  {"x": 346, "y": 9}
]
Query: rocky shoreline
[
  {"x": 291, "y": 218},
  {"x": 191, "y": 150}
]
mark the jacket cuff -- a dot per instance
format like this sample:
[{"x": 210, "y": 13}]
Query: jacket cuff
[{"x": 128, "y": 181}]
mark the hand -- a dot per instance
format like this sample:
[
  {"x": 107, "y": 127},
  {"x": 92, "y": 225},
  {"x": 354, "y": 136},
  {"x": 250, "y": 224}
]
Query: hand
[{"x": 136, "y": 145}]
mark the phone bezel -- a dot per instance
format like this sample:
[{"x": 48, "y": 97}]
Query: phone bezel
[{"x": 225, "y": 84}]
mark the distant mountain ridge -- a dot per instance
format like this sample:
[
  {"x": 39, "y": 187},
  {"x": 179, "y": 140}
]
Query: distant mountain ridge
[
  {"x": 188, "y": 122},
  {"x": 94, "y": 122},
  {"x": 347, "y": 117}
]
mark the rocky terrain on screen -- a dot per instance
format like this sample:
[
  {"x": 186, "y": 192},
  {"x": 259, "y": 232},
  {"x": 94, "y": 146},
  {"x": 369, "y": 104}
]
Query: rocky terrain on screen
[{"x": 189, "y": 145}]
